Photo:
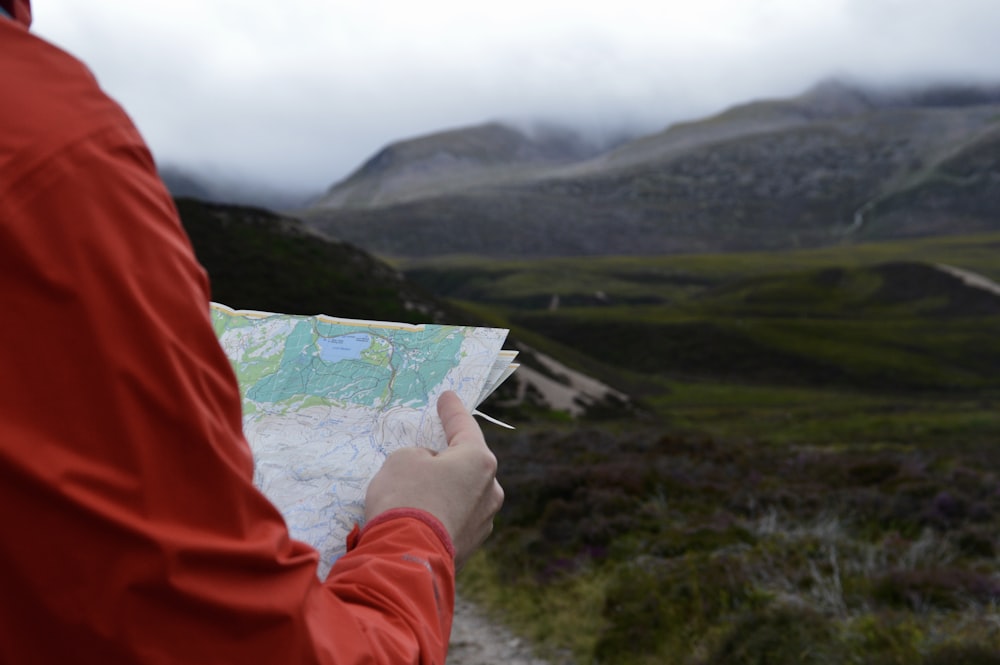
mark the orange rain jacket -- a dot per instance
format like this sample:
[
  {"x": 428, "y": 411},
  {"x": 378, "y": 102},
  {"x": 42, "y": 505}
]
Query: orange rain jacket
[{"x": 131, "y": 531}]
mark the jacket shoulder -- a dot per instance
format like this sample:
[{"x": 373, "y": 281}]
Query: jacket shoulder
[{"x": 54, "y": 101}]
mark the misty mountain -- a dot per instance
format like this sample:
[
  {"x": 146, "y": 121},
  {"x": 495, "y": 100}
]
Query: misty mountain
[
  {"x": 837, "y": 164},
  {"x": 455, "y": 160},
  {"x": 184, "y": 182},
  {"x": 939, "y": 96}
]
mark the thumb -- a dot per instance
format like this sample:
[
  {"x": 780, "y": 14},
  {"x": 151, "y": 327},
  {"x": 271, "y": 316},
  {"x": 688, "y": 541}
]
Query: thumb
[{"x": 459, "y": 425}]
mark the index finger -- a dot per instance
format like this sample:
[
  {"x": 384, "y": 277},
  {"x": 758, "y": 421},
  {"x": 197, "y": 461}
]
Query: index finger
[{"x": 459, "y": 425}]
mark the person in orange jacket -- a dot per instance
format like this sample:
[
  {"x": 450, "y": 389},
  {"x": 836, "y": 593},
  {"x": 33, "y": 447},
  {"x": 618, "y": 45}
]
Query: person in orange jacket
[{"x": 132, "y": 532}]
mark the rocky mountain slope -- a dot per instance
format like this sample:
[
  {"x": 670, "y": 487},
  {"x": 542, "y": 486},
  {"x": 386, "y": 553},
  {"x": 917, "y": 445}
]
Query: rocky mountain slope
[
  {"x": 837, "y": 164},
  {"x": 453, "y": 161}
]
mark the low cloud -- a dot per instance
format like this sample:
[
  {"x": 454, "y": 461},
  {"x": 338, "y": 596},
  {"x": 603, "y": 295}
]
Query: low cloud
[{"x": 300, "y": 93}]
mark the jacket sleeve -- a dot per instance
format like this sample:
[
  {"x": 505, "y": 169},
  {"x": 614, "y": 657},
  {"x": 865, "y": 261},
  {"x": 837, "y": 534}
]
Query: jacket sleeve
[{"x": 132, "y": 530}]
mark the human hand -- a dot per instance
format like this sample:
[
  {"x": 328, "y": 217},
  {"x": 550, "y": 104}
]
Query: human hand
[{"x": 458, "y": 485}]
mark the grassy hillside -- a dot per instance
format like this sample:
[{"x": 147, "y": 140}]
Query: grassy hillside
[
  {"x": 531, "y": 283},
  {"x": 820, "y": 342},
  {"x": 898, "y": 326},
  {"x": 874, "y": 317}
]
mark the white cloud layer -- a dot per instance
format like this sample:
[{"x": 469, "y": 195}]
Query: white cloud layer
[{"x": 298, "y": 93}]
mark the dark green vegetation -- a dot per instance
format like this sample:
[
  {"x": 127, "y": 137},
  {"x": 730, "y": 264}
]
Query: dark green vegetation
[
  {"x": 259, "y": 260},
  {"x": 837, "y": 164},
  {"x": 822, "y": 485}
]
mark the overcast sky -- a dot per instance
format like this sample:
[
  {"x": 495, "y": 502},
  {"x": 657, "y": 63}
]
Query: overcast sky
[{"x": 298, "y": 93}]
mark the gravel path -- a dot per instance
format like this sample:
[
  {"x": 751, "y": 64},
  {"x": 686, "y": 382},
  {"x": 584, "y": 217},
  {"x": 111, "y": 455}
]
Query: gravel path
[{"x": 476, "y": 640}]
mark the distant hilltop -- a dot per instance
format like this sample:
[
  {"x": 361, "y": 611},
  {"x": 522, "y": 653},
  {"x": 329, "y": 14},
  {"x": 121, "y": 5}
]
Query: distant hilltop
[
  {"x": 455, "y": 160},
  {"x": 837, "y": 164}
]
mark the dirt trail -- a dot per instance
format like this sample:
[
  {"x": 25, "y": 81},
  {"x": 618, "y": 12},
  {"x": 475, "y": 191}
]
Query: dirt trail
[
  {"x": 973, "y": 279},
  {"x": 476, "y": 640}
]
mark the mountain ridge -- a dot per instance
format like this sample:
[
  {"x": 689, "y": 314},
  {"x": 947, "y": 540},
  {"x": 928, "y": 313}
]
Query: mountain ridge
[
  {"x": 771, "y": 174},
  {"x": 454, "y": 160}
]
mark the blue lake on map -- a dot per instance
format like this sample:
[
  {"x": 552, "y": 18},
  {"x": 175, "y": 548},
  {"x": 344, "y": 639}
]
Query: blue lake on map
[{"x": 343, "y": 347}]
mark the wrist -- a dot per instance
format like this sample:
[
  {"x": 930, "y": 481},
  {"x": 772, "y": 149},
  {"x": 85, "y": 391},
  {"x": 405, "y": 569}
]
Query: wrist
[{"x": 432, "y": 522}]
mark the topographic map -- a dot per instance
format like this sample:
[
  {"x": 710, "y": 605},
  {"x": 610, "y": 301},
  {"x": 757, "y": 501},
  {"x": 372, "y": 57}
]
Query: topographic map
[{"x": 326, "y": 400}]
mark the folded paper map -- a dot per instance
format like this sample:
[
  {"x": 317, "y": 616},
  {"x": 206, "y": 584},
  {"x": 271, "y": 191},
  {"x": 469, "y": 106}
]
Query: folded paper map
[{"x": 326, "y": 400}]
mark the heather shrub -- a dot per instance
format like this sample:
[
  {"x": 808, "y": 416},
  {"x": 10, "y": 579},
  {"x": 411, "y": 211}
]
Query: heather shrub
[
  {"x": 965, "y": 654},
  {"x": 941, "y": 587},
  {"x": 703, "y": 551},
  {"x": 660, "y": 606},
  {"x": 779, "y": 636}
]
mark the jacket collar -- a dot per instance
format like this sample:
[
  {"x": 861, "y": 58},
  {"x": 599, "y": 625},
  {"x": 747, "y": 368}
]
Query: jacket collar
[{"x": 19, "y": 10}]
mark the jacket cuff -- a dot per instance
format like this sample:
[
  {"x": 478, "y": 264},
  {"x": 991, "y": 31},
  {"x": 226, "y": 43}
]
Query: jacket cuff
[{"x": 398, "y": 513}]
